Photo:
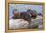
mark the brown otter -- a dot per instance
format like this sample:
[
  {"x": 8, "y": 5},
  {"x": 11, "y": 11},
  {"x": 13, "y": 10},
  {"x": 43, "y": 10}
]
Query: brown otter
[{"x": 24, "y": 15}]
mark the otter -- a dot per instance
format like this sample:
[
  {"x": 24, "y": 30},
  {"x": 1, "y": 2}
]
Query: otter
[{"x": 25, "y": 15}]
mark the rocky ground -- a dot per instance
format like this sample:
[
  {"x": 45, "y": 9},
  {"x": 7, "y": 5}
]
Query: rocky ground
[{"x": 21, "y": 23}]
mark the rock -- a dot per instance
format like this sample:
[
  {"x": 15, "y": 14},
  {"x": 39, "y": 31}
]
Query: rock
[
  {"x": 17, "y": 24},
  {"x": 21, "y": 23},
  {"x": 40, "y": 26},
  {"x": 36, "y": 23}
]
